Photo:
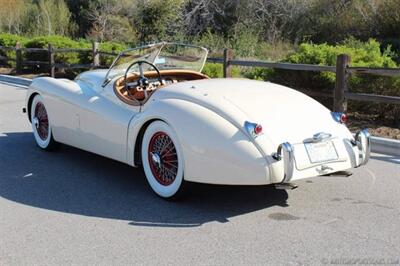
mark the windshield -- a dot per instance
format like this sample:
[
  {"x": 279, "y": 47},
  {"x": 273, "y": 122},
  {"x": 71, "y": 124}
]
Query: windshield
[{"x": 162, "y": 55}]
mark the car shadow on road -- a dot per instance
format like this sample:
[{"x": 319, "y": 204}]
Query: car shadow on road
[{"x": 73, "y": 181}]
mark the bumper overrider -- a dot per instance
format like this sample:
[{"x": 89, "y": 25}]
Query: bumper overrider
[{"x": 285, "y": 152}]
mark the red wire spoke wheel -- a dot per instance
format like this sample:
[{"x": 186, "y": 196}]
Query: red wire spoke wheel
[
  {"x": 42, "y": 121},
  {"x": 41, "y": 126},
  {"x": 163, "y": 159}
]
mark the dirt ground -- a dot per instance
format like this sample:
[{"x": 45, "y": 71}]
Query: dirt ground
[
  {"x": 355, "y": 123},
  {"x": 375, "y": 126}
]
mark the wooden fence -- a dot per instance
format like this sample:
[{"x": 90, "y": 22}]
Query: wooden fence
[
  {"x": 342, "y": 70},
  {"x": 50, "y": 63}
]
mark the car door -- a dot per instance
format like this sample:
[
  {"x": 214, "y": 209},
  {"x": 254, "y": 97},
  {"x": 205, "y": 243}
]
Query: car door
[{"x": 103, "y": 122}]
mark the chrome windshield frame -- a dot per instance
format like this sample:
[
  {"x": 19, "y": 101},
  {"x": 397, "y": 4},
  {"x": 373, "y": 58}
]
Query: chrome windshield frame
[{"x": 161, "y": 44}]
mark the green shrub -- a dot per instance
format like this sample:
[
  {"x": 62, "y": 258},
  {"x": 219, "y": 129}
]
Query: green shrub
[
  {"x": 71, "y": 57},
  {"x": 10, "y": 40},
  {"x": 362, "y": 54},
  {"x": 58, "y": 42},
  {"x": 216, "y": 71},
  {"x": 258, "y": 73},
  {"x": 213, "y": 70},
  {"x": 106, "y": 60}
]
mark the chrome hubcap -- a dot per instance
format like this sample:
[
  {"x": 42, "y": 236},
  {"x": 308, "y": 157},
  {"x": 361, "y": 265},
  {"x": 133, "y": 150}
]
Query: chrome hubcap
[
  {"x": 35, "y": 122},
  {"x": 156, "y": 159}
]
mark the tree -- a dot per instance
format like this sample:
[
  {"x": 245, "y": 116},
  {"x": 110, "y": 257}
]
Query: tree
[
  {"x": 108, "y": 23},
  {"x": 157, "y": 19},
  {"x": 78, "y": 9},
  {"x": 217, "y": 16},
  {"x": 11, "y": 15},
  {"x": 47, "y": 17}
]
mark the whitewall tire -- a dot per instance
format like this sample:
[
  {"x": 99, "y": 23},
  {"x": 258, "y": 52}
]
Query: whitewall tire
[
  {"x": 162, "y": 160},
  {"x": 41, "y": 126}
]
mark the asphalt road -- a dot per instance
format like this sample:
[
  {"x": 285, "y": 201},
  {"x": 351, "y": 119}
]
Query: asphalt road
[{"x": 73, "y": 207}]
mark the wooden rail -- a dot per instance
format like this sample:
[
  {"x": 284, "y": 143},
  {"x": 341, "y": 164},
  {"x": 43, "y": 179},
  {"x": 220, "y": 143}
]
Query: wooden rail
[
  {"x": 342, "y": 70},
  {"x": 287, "y": 66},
  {"x": 50, "y": 63}
]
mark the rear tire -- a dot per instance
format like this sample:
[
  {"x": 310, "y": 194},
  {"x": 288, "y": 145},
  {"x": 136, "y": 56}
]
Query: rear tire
[
  {"x": 41, "y": 126},
  {"x": 162, "y": 160}
]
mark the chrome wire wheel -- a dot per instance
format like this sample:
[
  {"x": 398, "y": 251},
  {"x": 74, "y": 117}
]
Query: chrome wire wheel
[
  {"x": 41, "y": 126},
  {"x": 162, "y": 160},
  {"x": 41, "y": 121}
]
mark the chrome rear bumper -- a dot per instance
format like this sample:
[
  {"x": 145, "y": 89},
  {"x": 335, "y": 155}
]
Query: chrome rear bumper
[
  {"x": 285, "y": 152},
  {"x": 363, "y": 142}
]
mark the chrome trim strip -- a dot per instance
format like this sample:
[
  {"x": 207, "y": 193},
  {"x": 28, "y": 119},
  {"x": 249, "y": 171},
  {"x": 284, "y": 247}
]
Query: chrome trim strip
[
  {"x": 161, "y": 44},
  {"x": 363, "y": 140}
]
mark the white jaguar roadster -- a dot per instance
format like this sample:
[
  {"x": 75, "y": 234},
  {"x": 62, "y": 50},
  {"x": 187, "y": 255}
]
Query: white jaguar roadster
[{"x": 153, "y": 108}]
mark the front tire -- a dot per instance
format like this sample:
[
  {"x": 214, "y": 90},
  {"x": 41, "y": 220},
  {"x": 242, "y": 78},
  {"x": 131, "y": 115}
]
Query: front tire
[
  {"x": 41, "y": 126},
  {"x": 162, "y": 160}
]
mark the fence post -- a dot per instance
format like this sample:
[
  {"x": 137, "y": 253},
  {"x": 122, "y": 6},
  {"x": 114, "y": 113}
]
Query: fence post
[
  {"x": 228, "y": 56},
  {"x": 339, "y": 101},
  {"x": 18, "y": 58},
  {"x": 52, "y": 67},
  {"x": 96, "y": 55}
]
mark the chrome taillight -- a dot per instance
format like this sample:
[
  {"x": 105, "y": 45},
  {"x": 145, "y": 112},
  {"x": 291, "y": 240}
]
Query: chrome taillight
[
  {"x": 253, "y": 129},
  {"x": 339, "y": 117}
]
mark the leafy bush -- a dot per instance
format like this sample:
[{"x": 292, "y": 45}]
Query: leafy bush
[
  {"x": 57, "y": 42},
  {"x": 106, "y": 60},
  {"x": 71, "y": 57},
  {"x": 10, "y": 40},
  {"x": 60, "y": 42},
  {"x": 362, "y": 54},
  {"x": 216, "y": 71}
]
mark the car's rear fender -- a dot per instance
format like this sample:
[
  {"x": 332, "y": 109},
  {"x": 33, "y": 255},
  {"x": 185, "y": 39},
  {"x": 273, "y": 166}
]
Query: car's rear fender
[{"x": 215, "y": 151}]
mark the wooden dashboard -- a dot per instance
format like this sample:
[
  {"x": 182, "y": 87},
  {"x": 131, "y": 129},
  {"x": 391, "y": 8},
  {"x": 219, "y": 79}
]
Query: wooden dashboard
[{"x": 137, "y": 96}]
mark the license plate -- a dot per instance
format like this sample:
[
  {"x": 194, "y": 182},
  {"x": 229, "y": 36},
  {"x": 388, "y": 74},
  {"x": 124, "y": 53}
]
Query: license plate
[{"x": 321, "y": 151}]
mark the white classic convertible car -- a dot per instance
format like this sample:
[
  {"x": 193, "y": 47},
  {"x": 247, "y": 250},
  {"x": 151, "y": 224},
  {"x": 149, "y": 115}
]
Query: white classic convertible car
[{"x": 153, "y": 108}]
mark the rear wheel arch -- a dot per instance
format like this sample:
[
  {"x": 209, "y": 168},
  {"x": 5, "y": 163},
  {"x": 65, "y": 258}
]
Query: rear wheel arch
[
  {"x": 29, "y": 107},
  {"x": 139, "y": 139}
]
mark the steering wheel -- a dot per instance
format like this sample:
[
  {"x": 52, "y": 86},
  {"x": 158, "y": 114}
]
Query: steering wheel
[{"x": 143, "y": 82}]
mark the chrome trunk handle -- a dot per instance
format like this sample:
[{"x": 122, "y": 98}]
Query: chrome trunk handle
[{"x": 321, "y": 136}]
